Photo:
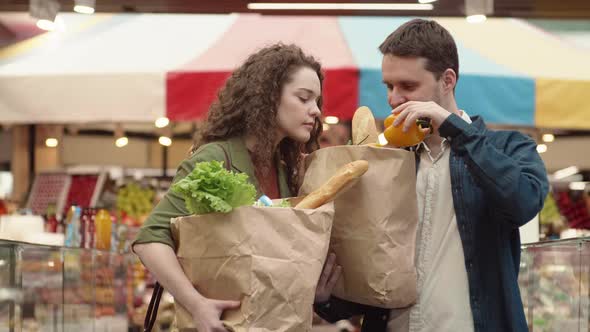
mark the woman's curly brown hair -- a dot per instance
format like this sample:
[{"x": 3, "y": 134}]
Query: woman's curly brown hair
[{"x": 247, "y": 106}]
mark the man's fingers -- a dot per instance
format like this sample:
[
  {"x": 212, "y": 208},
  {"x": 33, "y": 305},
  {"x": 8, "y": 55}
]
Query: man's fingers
[
  {"x": 411, "y": 120},
  {"x": 334, "y": 278},
  {"x": 400, "y": 108},
  {"x": 327, "y": 271},
  {"x": 401, "y": 117},
  {"x": 403, "y": 107}
]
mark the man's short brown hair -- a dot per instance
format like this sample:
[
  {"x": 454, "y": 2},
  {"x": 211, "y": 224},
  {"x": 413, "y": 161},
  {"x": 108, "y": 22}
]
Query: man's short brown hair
[{"x": 425, "y": 39}]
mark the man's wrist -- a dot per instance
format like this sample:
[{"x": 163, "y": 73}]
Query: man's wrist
[{"x": 320, "y": 306}]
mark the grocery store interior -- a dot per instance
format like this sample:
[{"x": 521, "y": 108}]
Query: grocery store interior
[{"x": 100, "y": 101}]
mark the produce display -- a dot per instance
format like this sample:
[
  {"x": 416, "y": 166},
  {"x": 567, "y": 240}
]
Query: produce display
[
  {"x": 573, "y": 206},
  {"x": 554, "y": 285},
  {"x": 135, "y": 202}
]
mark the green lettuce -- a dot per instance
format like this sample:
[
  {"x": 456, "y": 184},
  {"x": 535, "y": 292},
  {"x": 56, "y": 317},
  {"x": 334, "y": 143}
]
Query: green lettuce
[
  {"x": 283, "y": 203},
  {"x": 212, "y": 188}
]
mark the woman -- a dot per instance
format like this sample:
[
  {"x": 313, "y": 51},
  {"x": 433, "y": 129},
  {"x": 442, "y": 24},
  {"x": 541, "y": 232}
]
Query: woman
[{"x": 264, "y": 118}]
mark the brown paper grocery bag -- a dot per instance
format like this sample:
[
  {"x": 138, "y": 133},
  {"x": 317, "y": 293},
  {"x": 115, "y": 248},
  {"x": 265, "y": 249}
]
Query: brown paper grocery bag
[
  {"x": 374, "y": 231},
  {"x": 269, "y": 258}
]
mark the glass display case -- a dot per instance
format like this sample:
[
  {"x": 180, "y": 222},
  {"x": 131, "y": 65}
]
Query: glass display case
[
  {"x": 554, "y": 284},
  {"x": 58, "y": 289}
]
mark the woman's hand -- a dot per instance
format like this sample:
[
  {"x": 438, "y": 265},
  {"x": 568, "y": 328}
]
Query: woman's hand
[
  {"x": 330, "y": 275},
  {"x": 207, "y": 314}
]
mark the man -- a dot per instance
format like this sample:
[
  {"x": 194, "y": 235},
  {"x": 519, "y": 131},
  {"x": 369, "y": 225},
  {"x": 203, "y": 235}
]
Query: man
[{"x": 475, "y": 188}]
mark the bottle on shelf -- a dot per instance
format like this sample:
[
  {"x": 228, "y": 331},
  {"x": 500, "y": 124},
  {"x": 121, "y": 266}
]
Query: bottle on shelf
[
  {"x": 72, "y": 227},
  {"x": 103, "y": 225},
  {"x": 51, "y": 219},
  {"x": 91, "y": 230}
]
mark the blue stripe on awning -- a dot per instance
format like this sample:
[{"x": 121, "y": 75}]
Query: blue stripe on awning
[{"x": 498, "y": 99}]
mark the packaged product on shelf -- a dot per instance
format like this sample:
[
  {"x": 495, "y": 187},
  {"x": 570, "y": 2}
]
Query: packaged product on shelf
[
  {"x": 87, "y": 229},
  {"x": 72, "y": 225},
  {"x": 103, "y": 230}
]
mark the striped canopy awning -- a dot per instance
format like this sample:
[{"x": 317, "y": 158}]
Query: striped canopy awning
[{"x": 138, "y": 67}]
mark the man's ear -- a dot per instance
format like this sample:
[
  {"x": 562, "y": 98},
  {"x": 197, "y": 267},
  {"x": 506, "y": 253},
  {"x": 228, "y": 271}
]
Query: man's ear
[{"x": 449, "y": 80}]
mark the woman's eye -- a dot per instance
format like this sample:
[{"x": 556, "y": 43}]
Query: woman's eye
[{"x": 304, "y": 100}]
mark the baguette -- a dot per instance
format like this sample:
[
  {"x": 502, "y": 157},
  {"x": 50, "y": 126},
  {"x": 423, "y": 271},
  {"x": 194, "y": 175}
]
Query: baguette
[
  {"x": 364, "y": 129},
  {"x": 326, "y": 192}
]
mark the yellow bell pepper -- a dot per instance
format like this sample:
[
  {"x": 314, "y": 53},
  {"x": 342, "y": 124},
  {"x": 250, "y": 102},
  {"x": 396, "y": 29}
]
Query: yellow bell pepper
[{"x": 396, "y": 137}]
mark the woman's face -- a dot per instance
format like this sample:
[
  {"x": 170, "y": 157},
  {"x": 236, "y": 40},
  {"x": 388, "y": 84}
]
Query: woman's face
[{"x": 298, "y": 108}]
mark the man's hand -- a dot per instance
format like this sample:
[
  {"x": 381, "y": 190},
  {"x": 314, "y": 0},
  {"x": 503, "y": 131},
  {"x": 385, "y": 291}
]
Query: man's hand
[
  {"x": 330, "y": 275},
  {"x": 411, "y": 111},
  {"x": 207, "y": 314}
]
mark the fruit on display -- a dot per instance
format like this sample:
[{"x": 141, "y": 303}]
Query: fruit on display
[
  {"x": 550, "y": 212},
  {"x": 134, "y": 201},
  {"x": 553, "y": 285}
]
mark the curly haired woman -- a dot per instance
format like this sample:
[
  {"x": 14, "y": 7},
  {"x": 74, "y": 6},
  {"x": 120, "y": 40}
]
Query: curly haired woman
[{"x": 264, "y": 118}]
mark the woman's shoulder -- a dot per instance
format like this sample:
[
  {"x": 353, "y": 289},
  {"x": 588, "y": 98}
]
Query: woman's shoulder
[
  {"x": 206, "y": 152},
  {"x": 210, "y": 151}
]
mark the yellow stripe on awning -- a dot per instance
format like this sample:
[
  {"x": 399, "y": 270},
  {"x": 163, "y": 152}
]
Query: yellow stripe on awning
[
  {"x": 522, "y": 47},
  {"x": 562, "y": 104}
]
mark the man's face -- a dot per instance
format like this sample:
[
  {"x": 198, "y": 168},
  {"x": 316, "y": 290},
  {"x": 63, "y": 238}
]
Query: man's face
[{"x": 407, "y": 79}]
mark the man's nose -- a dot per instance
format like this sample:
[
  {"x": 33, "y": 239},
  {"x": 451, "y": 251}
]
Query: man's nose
[{"x": 395, "y": 99}]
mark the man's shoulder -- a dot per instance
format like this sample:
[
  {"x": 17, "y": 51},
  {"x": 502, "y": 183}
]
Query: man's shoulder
[{"x": 509, "y": 138}]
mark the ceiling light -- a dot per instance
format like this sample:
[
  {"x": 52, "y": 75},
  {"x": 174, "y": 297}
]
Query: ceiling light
[
  {"x": 83, "y": 9},
  {"x": 84, "y": 6},
  {"x": 165, "y": 140},
  {"x": 338, "y": 6},
  {"x": 51, "y": 142},
  {"x": 578, "y": 185},
  {"x": 548, "y": 138},
  {"x": 162, "y": 122},
  {"x": 45, "y": 12},
  {"x": 331, "y": 120},
  {"x": 476, "y": 11},
  {"x": 566, "y": 172},
  {"x": 121, "y": 141},
  {"x": 541, "y": 148},
  {"x": 479, "y": 18},
  {"x": 46, "y": 25}
]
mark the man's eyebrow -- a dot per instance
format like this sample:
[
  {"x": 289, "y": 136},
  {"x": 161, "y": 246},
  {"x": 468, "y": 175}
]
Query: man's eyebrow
[{"x": 407, "y": 82}]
